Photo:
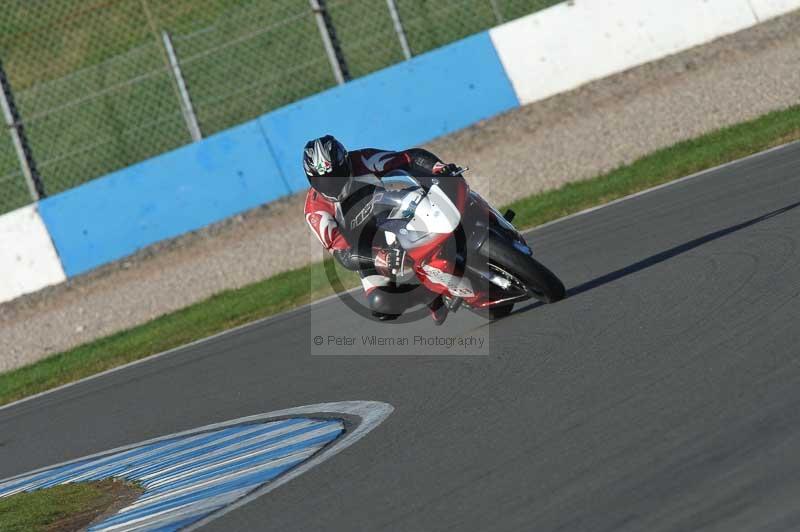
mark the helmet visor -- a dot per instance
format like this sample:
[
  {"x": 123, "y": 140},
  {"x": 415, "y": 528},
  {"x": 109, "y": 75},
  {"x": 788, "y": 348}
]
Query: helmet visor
[{"x": 329, "y": 186}]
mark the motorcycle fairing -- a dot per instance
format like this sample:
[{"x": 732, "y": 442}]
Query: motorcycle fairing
[{"x": 431, "y": 216}]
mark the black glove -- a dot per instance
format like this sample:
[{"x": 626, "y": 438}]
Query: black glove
[
  {"x": 447, "y": 170},
  {"x": 350, "y": 260},
  {"x": 391, "y": 262}
]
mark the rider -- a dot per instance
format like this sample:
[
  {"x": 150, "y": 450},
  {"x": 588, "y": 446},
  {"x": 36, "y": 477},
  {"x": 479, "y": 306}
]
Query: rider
[{"x": 330, "y": 168}]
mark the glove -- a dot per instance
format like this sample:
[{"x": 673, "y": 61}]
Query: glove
[
  {"x": 350, "y": 260},
  {"x": 391, "y": 262},
  {"x": 449, "y": 169}
]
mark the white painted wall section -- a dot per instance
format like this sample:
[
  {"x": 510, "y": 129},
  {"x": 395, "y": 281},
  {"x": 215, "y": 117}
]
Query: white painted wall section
[
  {"x": 766, "y": 9},
  {"x": 567, "y": 45},
  {"x": 28, "y": 260}
]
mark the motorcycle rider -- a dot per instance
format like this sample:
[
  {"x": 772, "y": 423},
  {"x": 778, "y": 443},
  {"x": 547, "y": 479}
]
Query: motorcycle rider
[{"x": 332, "y": 172}]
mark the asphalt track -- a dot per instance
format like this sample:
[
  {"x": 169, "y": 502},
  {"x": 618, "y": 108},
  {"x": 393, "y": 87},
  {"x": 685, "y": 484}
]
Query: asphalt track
[{"x": 663, "y": 394}]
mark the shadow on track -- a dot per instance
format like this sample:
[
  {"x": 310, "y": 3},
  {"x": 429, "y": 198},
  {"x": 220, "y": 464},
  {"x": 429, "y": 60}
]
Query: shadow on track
[{"x": 664, "y": 256}]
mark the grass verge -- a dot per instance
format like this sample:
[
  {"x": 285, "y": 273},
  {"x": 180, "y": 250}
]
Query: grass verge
[
  {"x": 297, "y": 287},
  {"x": 65, "y": 507}
]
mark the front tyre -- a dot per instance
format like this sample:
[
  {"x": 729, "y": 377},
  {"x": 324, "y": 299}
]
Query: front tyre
[
  {"x": 534, "y": 275},
  {"x": 500, "y": 311},
  {"x": 493, "y": 313}
]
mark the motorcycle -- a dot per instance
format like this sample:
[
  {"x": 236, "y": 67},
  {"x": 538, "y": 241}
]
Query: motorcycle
[{"x": 456, "y": 244}]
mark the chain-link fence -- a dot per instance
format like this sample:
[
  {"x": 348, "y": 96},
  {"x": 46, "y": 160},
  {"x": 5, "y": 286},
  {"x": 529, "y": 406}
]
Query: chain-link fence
[{"x": 103, "y": 84}]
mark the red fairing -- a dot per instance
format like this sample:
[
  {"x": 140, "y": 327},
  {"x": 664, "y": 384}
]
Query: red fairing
[
  {"x": 462, "y": 192},
  {"x": 321, "y": 217},
  {"x": 431, "y": 253},
  {"x": 440, "y": 264},
  {"x": 423, "y": 253},
  {"x": 461, "y": 195}
]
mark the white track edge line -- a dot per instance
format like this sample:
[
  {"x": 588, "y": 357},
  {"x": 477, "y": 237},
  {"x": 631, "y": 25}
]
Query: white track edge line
[
  {"x": 332, "y": 296},
  {"x": 661, "y": 186}
]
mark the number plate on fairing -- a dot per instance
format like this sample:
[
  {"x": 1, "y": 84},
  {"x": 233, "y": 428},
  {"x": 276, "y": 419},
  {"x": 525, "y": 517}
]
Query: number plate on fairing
[{"x": 458, "y": 286}]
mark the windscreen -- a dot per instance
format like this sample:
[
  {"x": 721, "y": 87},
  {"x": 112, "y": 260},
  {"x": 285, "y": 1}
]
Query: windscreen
[{"x": 397, "y": 197}]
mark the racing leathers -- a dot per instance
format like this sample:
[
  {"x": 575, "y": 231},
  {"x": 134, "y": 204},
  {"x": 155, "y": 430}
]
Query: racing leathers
[{"x": 386, "y": 299}]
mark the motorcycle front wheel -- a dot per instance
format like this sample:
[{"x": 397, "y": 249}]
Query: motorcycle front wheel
[{"x": 543, "y": 283}]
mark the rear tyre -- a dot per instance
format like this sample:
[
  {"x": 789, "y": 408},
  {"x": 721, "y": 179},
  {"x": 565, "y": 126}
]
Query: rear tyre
[{"x": 533, "y": 274}]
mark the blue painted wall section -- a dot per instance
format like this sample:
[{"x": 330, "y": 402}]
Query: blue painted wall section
[
  {"x": 399, "y": 107},
  {"x": 404, "y": 105},
  {"x": 180, "y": 191}
]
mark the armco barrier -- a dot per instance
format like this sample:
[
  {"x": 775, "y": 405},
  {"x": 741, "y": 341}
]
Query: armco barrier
[
  {"x": 410, "y": 103},
  {"x": 28, "y": 261}
]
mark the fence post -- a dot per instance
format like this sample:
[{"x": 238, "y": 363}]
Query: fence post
[
  {"x": 183, "y": 92},
  {"x": 497, "y": 13},
  {"x": 398, "y": 28},
  {"x": 331, "y": 42},
  {"x": 15, "y": 128}
]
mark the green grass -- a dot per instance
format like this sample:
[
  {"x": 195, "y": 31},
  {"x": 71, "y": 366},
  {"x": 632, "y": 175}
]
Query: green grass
[
  {"x": 665, "y": 165},
  {"x": 294, "y": 288},
  {"x": 65, "y": 507},
  {"x": 93, "y": 90},
  {"x": 13, "y": 191}
]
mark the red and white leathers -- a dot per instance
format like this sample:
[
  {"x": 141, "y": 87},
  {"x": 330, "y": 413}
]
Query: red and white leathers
[{"x": 320, "y": 212}]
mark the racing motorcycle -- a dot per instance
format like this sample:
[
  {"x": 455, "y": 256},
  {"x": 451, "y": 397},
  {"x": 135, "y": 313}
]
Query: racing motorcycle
[{"x": 455, "y": 243}]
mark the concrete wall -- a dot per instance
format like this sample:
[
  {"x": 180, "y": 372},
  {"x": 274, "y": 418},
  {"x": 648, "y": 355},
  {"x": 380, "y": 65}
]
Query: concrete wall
[
  {"x": 28, "y": 261},
  {"x": 257, "y": 162},
  {"x": 766, "y": 9},
  {"x": 111, "y": 217},
  {"x": 405, "y": 105},
  {"x": 570, "y": 44}
]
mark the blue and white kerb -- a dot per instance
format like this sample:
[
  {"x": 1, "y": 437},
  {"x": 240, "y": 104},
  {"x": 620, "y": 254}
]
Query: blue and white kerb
[{"x": 187, "y": 478}]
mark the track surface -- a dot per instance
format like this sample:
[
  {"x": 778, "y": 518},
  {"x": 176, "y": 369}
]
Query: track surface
[{"x": 663, "y": 394}]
